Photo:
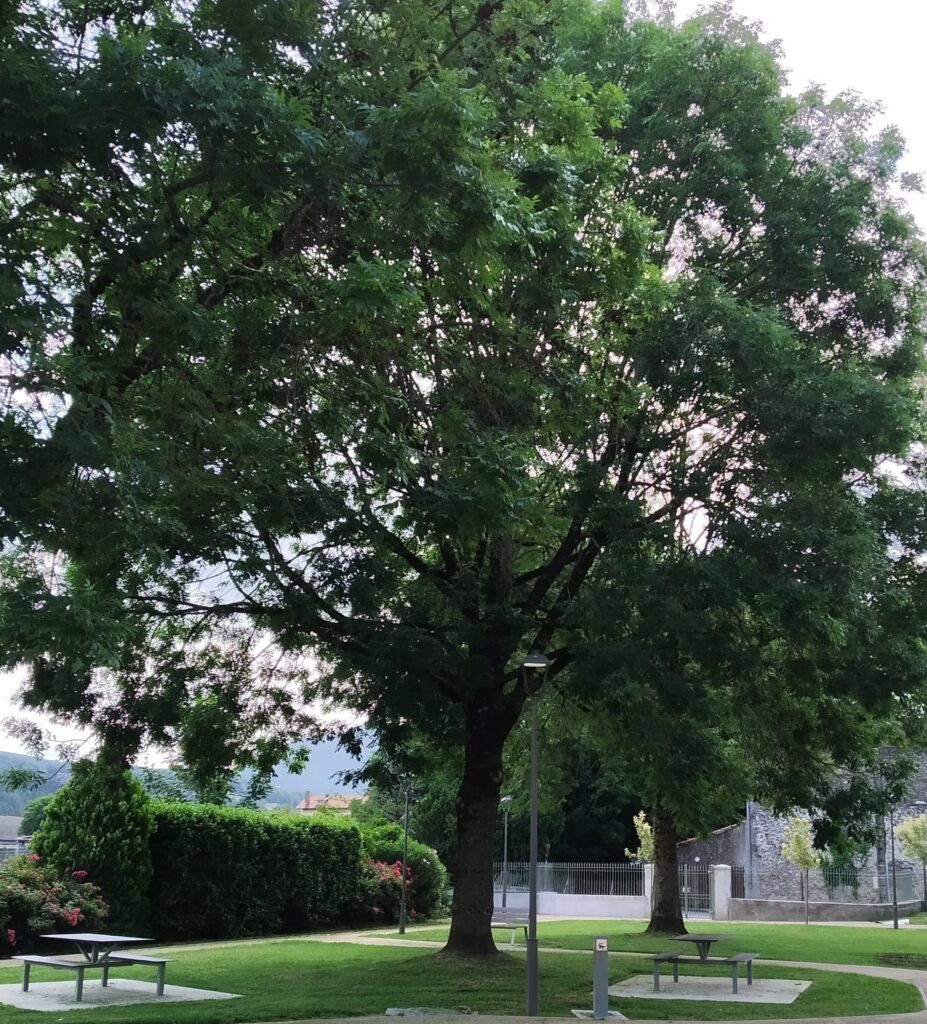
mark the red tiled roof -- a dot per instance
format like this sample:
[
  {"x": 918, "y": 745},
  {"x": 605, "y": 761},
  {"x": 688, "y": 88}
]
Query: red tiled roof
[{"x": 336, "y": 801}]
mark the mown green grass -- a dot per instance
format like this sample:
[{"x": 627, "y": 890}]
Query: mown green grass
[
  {"x": 290, "y": 980},
  {"x": 830, "y": 944}
]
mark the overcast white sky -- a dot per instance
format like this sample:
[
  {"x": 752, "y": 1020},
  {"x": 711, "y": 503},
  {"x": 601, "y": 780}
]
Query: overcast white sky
[{"x": 876, "y": 49}]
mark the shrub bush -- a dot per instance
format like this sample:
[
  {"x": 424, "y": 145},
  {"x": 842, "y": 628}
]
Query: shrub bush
[
  {"x": 428, "y": 887},
  {"x": 34, "y": 814},
  {"x": 222, "y": 872},
  {"x": 101, "y": 820},
  {"x": 35, "y": 897},
  {"x": 380, "y": 892}
]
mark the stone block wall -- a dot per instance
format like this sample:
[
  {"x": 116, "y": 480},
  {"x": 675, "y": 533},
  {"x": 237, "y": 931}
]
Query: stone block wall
[{"x": 756, "y": 845}]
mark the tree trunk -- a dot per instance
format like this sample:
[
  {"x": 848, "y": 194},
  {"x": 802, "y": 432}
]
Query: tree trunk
[
  {"x": 477, "y": 807},
  {"x": 666, "y": 912}
]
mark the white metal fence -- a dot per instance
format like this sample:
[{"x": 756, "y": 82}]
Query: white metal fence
[
  {"x": 574, "y": 879},
  {"x": 12, "y": 848},
  {"x": 696, "y": 890}
]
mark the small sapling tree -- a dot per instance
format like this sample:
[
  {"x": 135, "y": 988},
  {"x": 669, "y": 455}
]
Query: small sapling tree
[
  {"x": 913, "y": 836},
  {"x": 798, "y": 850}
]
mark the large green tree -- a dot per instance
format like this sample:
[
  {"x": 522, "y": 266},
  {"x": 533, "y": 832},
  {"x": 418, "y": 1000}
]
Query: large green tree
[
  {"x": 368, "y": 329},
  {"x": 768, "y": 667}
]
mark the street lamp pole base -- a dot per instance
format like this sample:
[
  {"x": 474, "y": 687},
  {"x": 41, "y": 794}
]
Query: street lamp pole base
[{"x": 532, "y": 1001}]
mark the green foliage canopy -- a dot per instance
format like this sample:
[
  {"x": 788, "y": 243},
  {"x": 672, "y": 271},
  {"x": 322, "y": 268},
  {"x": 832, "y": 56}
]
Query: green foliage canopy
[
  {"x": 912, "y": 833},
  {"x": 101, "y": 822},
  {"x": 34, "y": 814},
  {"x": 378, "y": 328}
]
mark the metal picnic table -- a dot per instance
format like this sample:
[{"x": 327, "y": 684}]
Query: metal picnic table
[
  {"x": 97, "y": 949},
  {"x": 702, "y": 943}
]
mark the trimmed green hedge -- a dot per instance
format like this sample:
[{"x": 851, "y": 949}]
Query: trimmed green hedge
[{"x": 223, "y": 872}]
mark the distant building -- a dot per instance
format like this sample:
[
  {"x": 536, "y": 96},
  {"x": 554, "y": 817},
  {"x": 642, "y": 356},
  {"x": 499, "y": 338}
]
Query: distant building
[{"x": 339, "y": 802}]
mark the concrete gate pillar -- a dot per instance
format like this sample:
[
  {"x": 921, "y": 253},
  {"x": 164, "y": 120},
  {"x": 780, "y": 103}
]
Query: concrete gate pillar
[{"x": 721, "y": 891}]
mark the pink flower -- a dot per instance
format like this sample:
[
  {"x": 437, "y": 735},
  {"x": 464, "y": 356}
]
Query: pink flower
[
  {"x": 80, "y": 875},
  {"x": 33, "y": 857},
  {"x": 11, "y": 936}
]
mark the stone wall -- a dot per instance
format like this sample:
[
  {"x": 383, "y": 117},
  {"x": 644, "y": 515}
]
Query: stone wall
[
  {"x": 756, "y": 845},
  {"x": 726, "y": 846},
  {"x": 794, "y": 910}
]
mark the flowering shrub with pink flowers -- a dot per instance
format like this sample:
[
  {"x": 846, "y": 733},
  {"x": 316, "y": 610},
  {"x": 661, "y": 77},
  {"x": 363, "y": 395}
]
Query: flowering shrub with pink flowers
[
  {"x": 37, "y": 898},
  {"x": 380, "y": 891}
]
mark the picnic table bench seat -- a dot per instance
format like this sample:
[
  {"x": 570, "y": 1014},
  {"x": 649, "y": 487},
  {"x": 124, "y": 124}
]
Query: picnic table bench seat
[
  {"x": 59, "y": 963},
  {"x": 124, "y": 959},
  {"x": 510, "y": 921},
  {"x": 734, "y": 961},
  {"x": 80, "y": 967},
  {"x": 672, "y": 957}
]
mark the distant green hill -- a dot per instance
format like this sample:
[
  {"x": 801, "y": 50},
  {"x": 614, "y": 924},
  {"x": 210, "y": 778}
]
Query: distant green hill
[
  {"x": 56, "y": 771},
  {"x": 326, "y": 762}
]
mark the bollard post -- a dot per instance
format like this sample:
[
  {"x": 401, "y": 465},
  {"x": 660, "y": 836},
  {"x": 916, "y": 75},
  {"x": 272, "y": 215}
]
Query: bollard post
[{"x": 600, "y": 978}]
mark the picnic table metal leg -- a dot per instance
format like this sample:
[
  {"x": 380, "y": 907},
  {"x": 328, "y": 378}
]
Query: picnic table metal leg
[
  {"x": 79, "y": 986},
  {"x": 161, "y": 979},
  {"x": 749, "y": 972},
  {"x": 26, "y": 977},
  {"x": 656, "y": 976},
  {"x": 676, "y": 970},
  {"x": 105, "y": 975},
  {"x": 734, "y": 973}
]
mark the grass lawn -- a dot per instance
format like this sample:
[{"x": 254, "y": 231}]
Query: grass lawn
[
  {"x": 829, "y": 944},
  {"x": 288, "y": 980}
]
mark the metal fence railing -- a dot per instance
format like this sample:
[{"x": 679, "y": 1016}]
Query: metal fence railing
[
  {"x": 13, "y": 848},
  {"x": 574, "y": 879},
  {"x": 827, "y": 885},
  {"x": 738, "y": 883},
  {"x": 695, "y": 889},
  {"x": 834, "y": 885}
]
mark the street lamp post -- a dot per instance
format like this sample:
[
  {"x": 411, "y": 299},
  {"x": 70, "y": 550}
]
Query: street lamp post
[
  {"x": 891, "y": 825},
  {"x": 405, "y": 861},
  {"x": 534, "y": 671},
  {"x": 505, "y": 801},
  {"x": 922, "y": 805}
]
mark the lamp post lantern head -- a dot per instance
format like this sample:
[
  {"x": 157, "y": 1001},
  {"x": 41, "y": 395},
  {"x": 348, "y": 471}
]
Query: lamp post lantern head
[
  {"x": 534, "y": 672},
  {"x": 504, "y": 801}
]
